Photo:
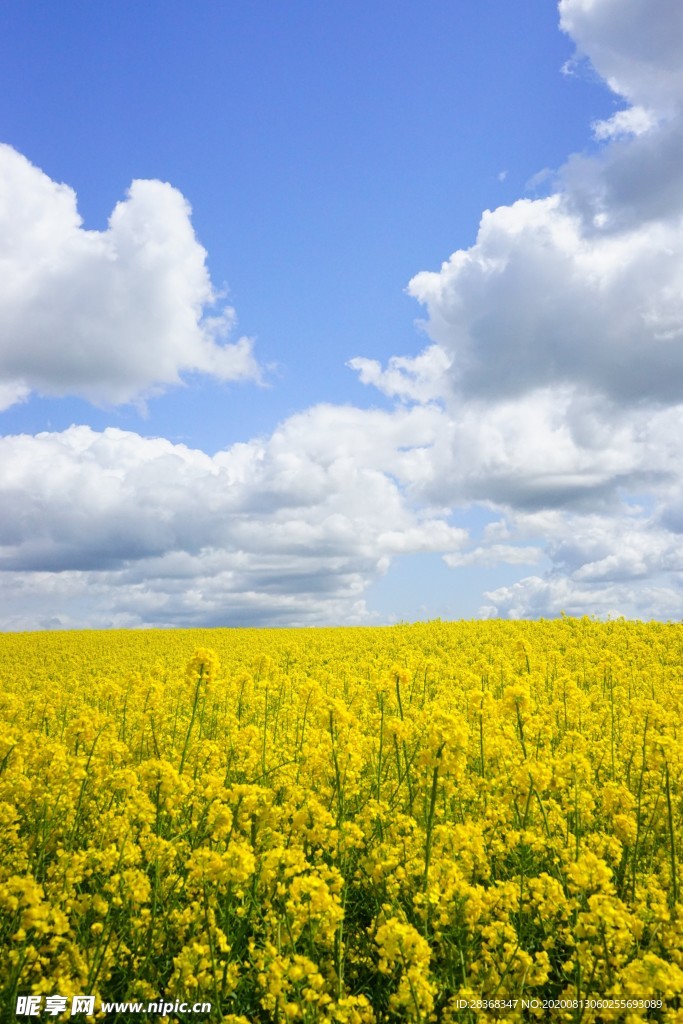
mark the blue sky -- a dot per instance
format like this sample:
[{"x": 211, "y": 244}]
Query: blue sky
[
  {"x": 519, "y": 461},
  {"x": 329, "y": 152}
]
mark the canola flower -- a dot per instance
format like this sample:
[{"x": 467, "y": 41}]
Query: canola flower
[{"x": 346, "y": 825}]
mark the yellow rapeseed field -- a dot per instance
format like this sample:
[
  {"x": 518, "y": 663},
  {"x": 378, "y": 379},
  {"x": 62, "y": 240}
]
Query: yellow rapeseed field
[{"x": 470, "y": 821}]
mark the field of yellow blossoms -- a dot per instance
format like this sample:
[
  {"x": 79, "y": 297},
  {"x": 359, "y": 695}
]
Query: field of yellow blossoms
[{"x": 473, "y": 821}]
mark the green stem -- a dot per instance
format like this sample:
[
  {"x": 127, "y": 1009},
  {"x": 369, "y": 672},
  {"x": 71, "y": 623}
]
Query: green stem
[
  {"x": 673, "y": 899},
  {"x": 194, "y": 715}
]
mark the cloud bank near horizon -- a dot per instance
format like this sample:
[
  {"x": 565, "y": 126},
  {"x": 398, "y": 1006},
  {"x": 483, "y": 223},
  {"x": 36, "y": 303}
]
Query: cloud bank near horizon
[{"x": 289, "y": 529}]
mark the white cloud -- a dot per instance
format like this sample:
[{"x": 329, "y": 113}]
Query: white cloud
[
  {"x": 111, "y": 316},
  {"x": 632, "y": 121},
  {"x": 584, "y": 287},
  {"x": 113, "y": 528},
  {"x": 561, "y": 332},
  {"x": 422, "y": 378},
  {"x": 550, "y": 448},
  {"x": 12, "y": 394},
  {"x": 636, "y": 46},
  {"x": 534, "y": 597},
  {"x": 543, "y": 298}
]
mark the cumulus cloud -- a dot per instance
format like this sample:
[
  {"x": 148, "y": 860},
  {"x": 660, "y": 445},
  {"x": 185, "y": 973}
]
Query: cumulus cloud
[
  {"x": 541, "y": 299},
  {"x": 561, "y": 338},
  {"x": 584, "y": 287},
  {"x": 114, "y": 528},
  {"x": 636, "y": 47},
  {"x": 421, "y": 378},
  {"x": 626, "y": 563},
  {"x": 111, "y": 316},
  {"x": 536, "y": 597},
  {"x": 632, "y": 121}
]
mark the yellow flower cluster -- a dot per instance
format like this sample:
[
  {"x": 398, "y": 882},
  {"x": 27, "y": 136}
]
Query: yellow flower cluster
[{"x": 474, "y": 821}]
